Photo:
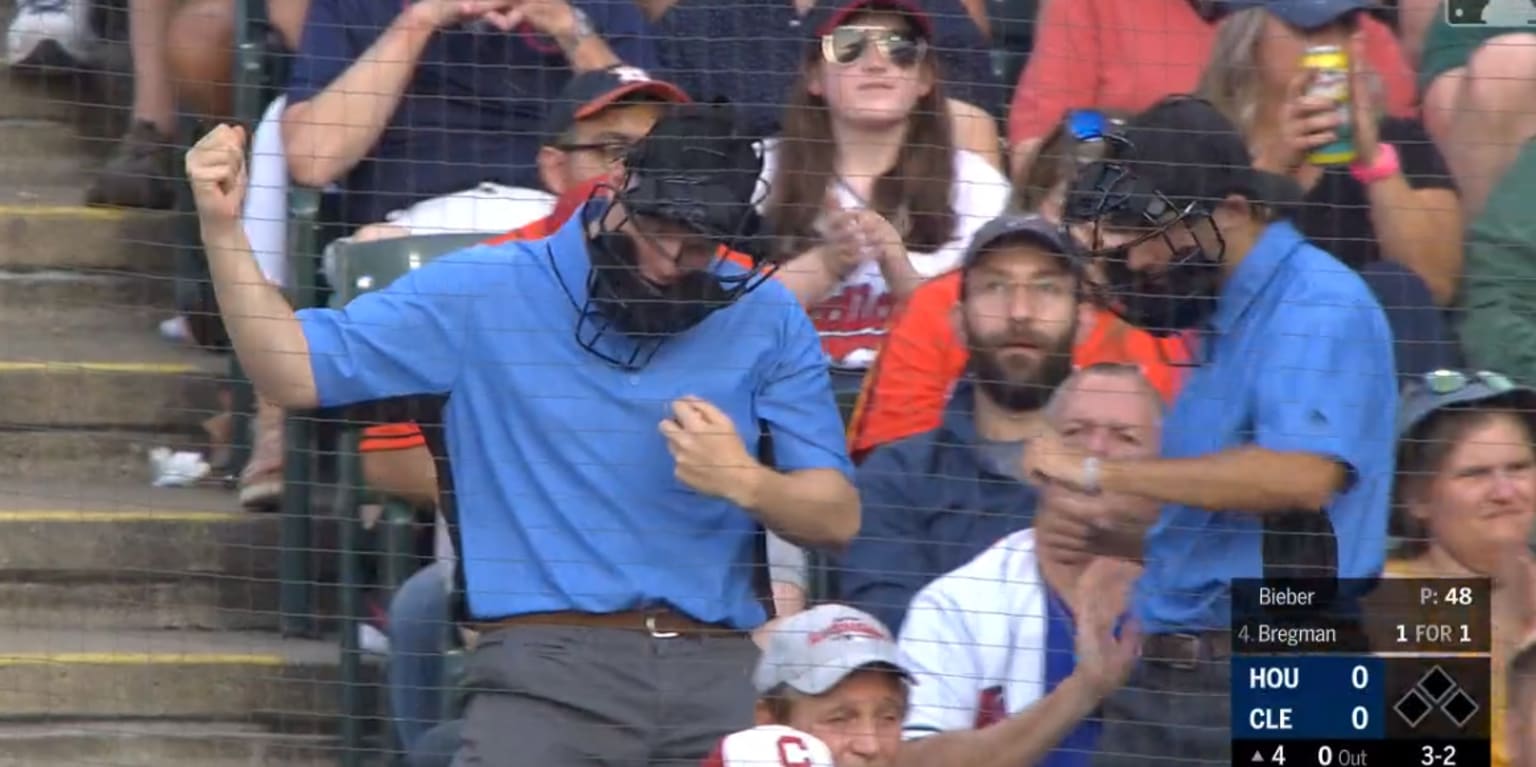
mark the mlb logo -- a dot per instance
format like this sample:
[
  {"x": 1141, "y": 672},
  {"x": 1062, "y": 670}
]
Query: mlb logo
[{"x": 1492, "y": 13}]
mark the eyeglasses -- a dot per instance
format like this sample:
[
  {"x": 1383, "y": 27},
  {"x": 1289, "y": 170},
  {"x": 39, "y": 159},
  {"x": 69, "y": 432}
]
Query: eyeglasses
[
  {"x": 847, "y": 44},
  {"x": 612, "y": 151},
  {"x": 1444, "y": 382}
]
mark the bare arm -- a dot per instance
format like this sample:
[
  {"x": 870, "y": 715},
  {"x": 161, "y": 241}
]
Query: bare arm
[
  {"x": 816, "y": 508},
  {"x": 266, "y": 335},
  {"x": 1250, "y": 479},
  {"x": 1420, "y": 229},
  {"x": 409, "y": 474},
  {"x": 588, "y": 53},
  {"x": 1021, "y": 740},
  {"x": 810, "y": 276},
  {"x": 976, "y": 131},
  {"x": 327, "y": 135}
]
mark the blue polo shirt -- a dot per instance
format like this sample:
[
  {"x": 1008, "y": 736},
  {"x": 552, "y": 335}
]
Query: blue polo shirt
[
  {"x": 472, "y": 112},
  {"x": 750, "y": 52},
  {"x": 564, "y": 485},
  {"x": 931, "y": 502},
  {"x": 1298, "y": 358}
]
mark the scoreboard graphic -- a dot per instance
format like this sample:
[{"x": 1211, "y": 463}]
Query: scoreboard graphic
[{"x": 1338, "y": 673}]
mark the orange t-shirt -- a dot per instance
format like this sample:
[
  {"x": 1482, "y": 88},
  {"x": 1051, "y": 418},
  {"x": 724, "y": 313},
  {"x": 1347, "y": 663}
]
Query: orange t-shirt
[
  {"x": 905, "y": 392},
  {"x": 1124, "y": 55}
]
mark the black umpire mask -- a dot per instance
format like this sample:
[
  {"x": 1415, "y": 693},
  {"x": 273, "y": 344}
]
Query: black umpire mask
[
  {"x": 642, "y": 308},
  {"x": 692, "y": 175},
  {"x": 1165, "y": 300}
]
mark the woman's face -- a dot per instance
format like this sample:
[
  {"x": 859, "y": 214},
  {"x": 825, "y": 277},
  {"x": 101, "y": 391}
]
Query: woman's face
[
  {"x": 1484, "y": 494},
  {"x": 873, "y": 72},
  {"x": 1282, "y": 47}
]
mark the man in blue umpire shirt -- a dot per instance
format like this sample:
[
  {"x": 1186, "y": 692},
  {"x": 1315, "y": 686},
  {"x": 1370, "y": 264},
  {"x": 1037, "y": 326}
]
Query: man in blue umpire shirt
[
  {"x": 1277, "y": 455},
  {"x": 607, "y": 390}
]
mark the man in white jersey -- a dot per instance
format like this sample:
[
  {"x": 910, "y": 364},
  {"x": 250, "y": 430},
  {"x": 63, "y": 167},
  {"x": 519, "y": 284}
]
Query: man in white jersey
[{"x": 993, "y": 640}]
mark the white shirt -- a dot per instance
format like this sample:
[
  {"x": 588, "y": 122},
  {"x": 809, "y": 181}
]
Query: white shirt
[
  {"x": 979, "y": 627},
  {"x": 491, "y": 208},
  {"x": 852, "y": 320}
]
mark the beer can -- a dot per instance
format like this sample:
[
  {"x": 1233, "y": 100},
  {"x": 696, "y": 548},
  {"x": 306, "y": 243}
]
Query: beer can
[{"x": 1330, "y": 67}]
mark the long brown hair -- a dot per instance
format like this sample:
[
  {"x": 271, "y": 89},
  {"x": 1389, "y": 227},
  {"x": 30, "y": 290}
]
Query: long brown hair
[
  {"x": 915, "y": 195},
  {"x": 1233, "y": 80}
]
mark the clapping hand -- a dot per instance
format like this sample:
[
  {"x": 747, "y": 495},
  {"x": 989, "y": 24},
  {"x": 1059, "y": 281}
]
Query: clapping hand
[{"x": 1106, "y": 657}]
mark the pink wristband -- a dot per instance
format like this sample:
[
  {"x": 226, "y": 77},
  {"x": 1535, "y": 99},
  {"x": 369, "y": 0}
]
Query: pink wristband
[{"x": 1385, "y": 167}]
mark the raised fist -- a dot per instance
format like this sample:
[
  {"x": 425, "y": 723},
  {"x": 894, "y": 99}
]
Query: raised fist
[{"x": 216, "y": 169}]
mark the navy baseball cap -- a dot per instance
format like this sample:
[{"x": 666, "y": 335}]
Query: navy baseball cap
[
  {"x": 1304, "y": 14},
  {"x": 1437, "y": 390},
  {"x": 825, "y": 17},
  {"x": 588, "y": 93},
  {"x": 1029, "y": 228}
]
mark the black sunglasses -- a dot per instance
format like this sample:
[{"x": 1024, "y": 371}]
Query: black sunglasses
[{"x": 847, "y": 44}]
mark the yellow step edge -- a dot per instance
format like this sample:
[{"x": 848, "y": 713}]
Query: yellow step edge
[
  {"x": 64, "y": 211},
  {"x": 139, "y": 368},
  {"x": 92, "y": 515},
  {"x": 140, "y": 659}
]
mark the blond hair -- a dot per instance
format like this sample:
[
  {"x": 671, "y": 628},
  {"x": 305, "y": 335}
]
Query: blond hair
[{"x": 1232, "y": 81}]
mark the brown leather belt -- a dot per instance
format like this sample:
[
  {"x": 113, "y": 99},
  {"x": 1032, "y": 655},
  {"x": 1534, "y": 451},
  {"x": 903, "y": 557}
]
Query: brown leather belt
[
  {"x": 1187, "y": 651},
  {"x": 662, "y": 624}
]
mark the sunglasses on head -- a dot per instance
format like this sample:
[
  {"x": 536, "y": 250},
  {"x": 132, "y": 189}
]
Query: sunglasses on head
[
  {"x": 847, "y": 44},
  {"x": 1444, "y": 382}
]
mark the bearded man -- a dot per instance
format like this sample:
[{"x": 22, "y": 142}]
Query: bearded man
[{"x": 933, "y": 501}]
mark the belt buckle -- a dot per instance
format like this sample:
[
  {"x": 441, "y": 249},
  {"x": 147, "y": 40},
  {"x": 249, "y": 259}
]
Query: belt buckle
[
  {"x": 656, "y": 633},
  {"x": 1191, "y": 641}
]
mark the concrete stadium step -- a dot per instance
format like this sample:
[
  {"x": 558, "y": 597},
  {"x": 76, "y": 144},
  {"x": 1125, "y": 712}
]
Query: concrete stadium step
[
  {"x": 156, "y": 744},
  {"x": 94, "y": 368},
  {"x": 101, "y": 454},
  {"x": 124, "y": 555},
  {"x": 83, "y": 674},
  {"x": 48, "y": 235},
  {"x": 131, "y": 532},
  {"x": 59, "y": 98},
  {"x": 108, "y": 601},
  {"x": 59, "y": 290}
]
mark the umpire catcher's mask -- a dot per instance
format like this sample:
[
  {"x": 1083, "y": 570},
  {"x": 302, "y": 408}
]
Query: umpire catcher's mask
[
  {"x": 1125, "y": 212},
  {"x": 687, "y": 193}
]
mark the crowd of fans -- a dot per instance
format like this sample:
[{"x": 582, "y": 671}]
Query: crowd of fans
[{"x": 1036, "y": 453}]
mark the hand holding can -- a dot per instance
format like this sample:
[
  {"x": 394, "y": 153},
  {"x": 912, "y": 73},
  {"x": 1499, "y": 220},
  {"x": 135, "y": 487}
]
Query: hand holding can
[{"x": 1329, "y": 66}]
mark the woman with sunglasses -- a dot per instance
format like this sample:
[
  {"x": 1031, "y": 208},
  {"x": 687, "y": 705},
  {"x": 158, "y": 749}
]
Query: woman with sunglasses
[
  {"x": 866, "y": 192},
  {"x": 1465, "y": 501}
]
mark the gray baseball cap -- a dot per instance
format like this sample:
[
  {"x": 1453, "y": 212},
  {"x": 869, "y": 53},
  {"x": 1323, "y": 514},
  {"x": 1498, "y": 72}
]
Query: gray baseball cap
[
  {"x": 1436, "y": 390},
  {"x": 811, "y": 652},
  {"x": 1026, "y": 227}
]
